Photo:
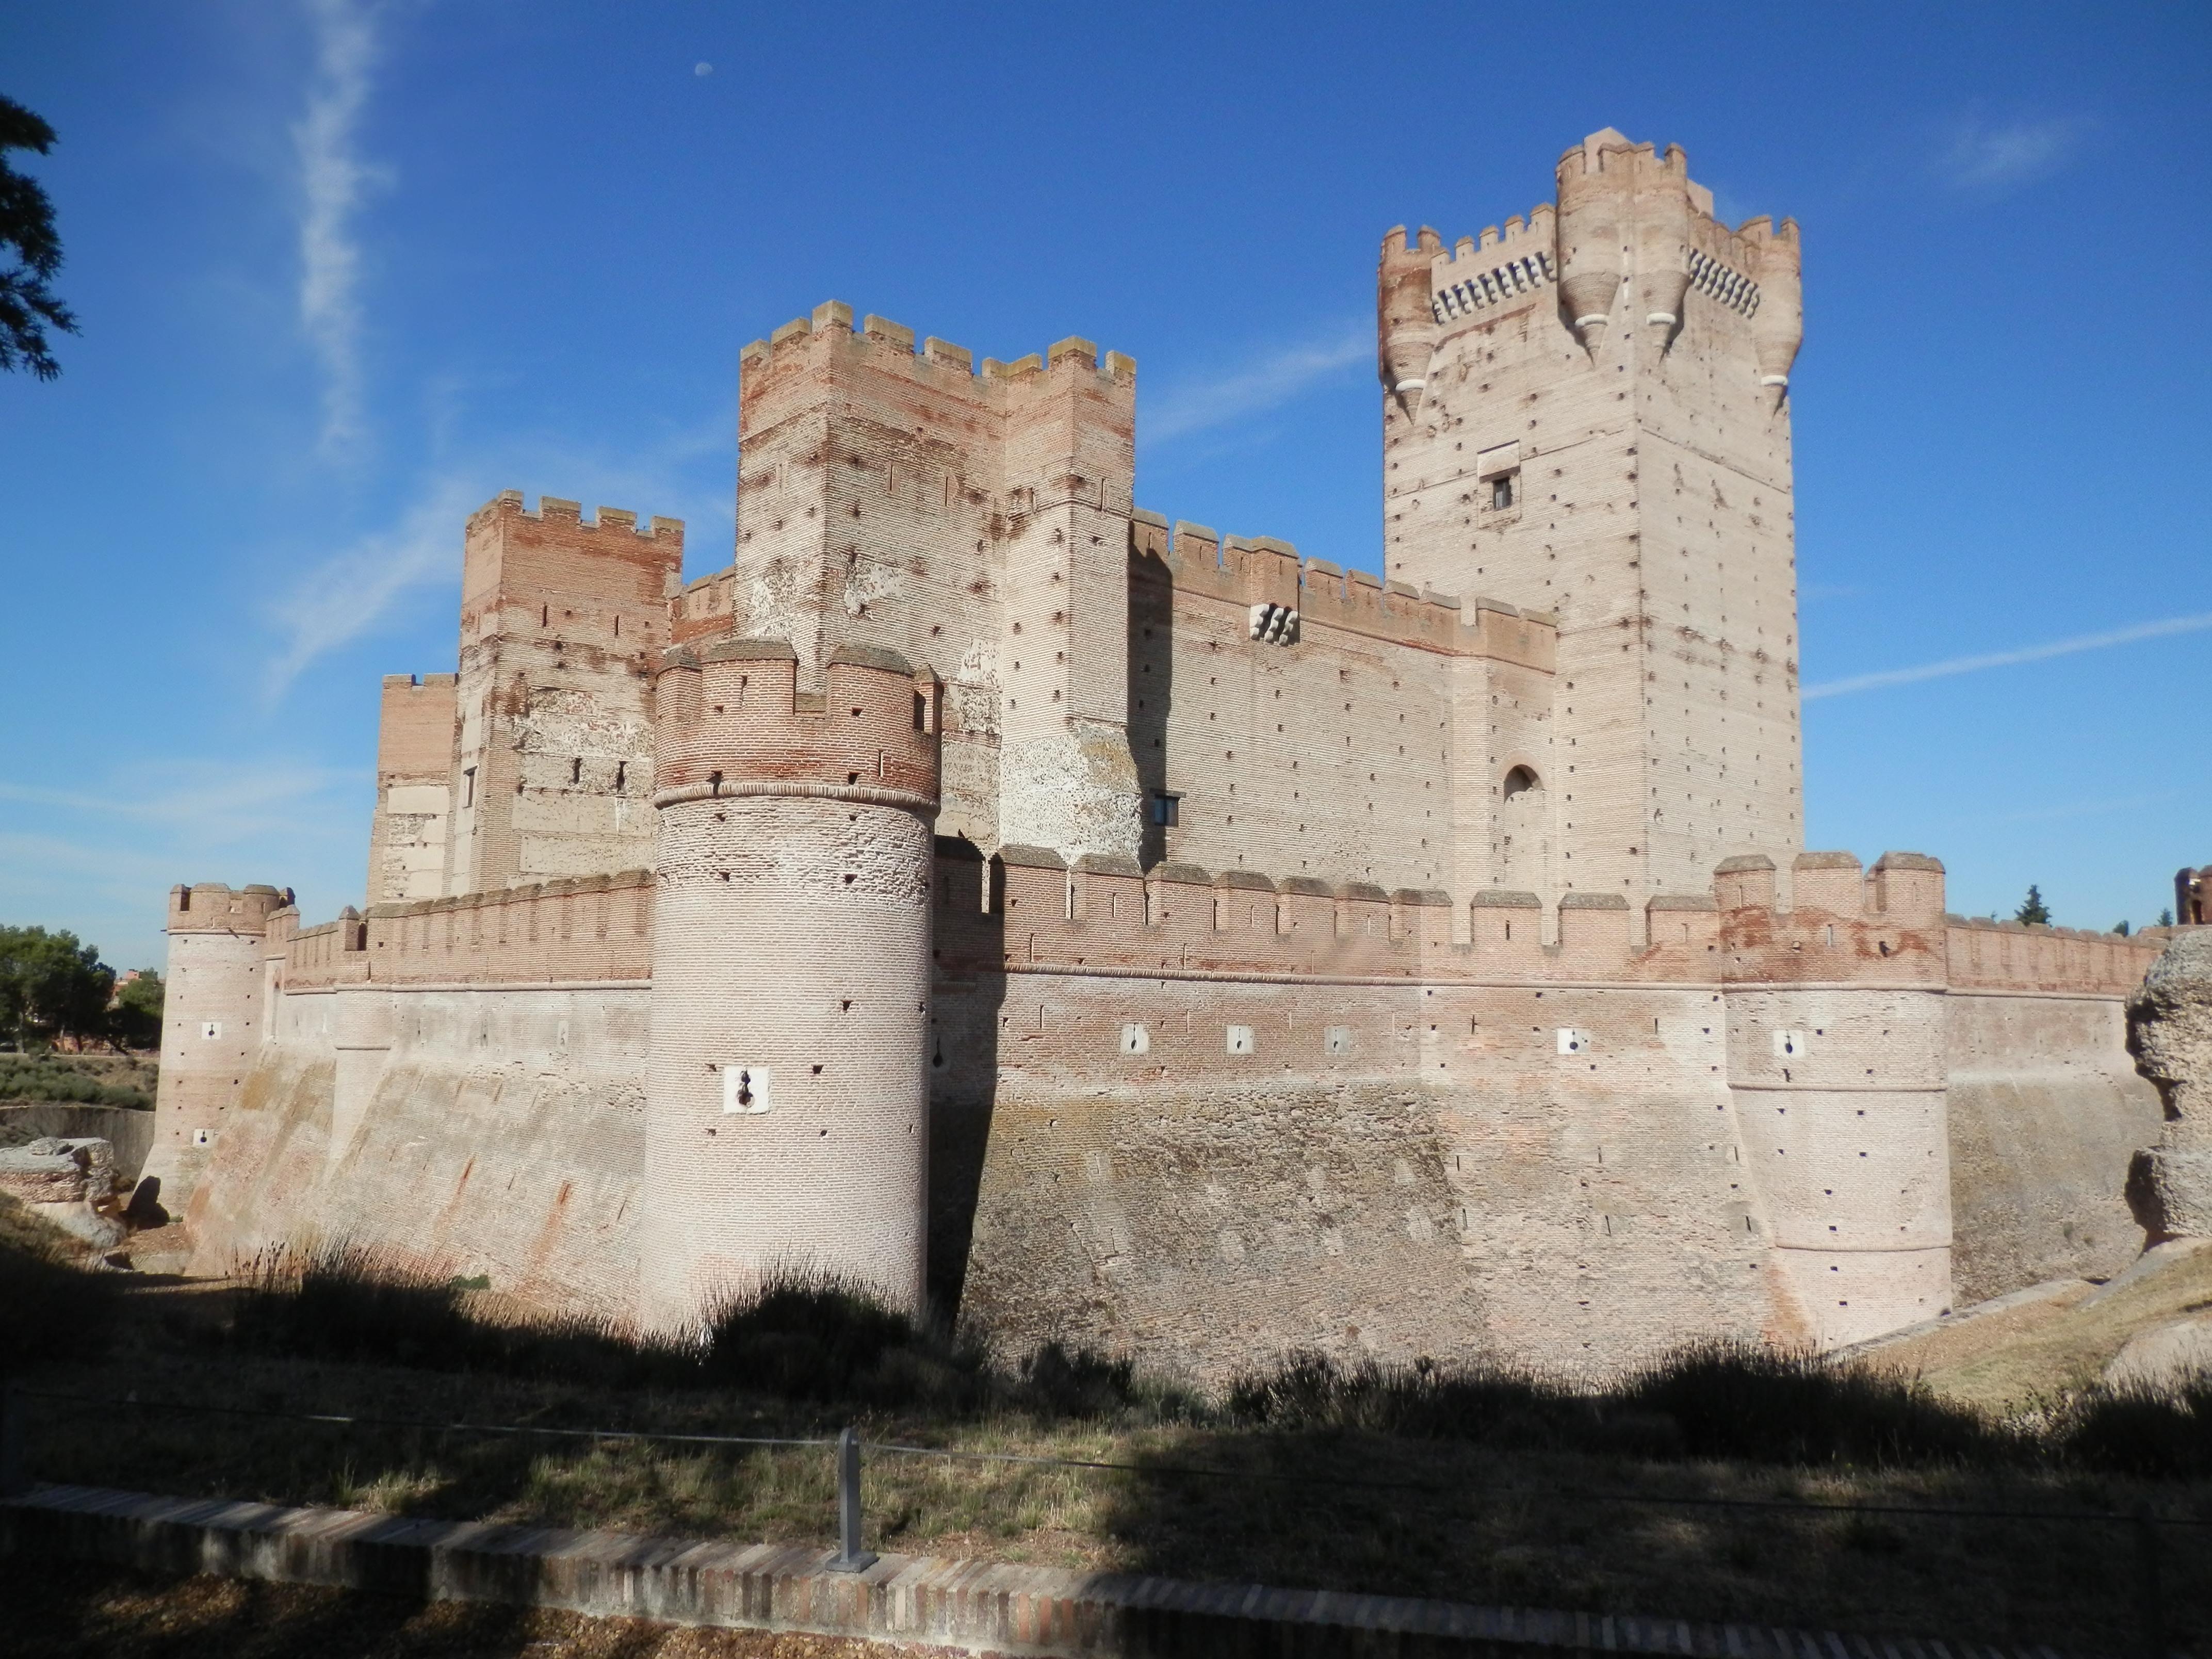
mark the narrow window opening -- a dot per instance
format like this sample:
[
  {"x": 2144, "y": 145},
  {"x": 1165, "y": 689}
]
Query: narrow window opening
[
  {"x": 1166, "y": 811},
  {"x": 622, "y": 776},
  {"x": 576, "y": 770},
  {"x": 544, "y": 616},
  {"x": 921, "y": 712},
  {"x": 1518, "y": 781},
  {"x": 469, "y": 786},
  {"x": 1501, "y": 491}
]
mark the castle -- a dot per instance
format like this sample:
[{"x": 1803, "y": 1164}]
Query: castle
[{"x": 1127, "y": 933}]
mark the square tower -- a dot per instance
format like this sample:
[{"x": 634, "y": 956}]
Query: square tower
[
  {"x": 561, "y": 621},
  {"x": 1587, "y": 414},
  {"x": 977, "y": 523}
]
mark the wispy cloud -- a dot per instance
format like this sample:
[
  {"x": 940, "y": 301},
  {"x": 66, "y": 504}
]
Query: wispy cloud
[
  {"x": 1982, "y": 157},
  {"x": 349, "y": 593},
  {"x": 1265, "y": 382},
  {"x": 198, "y": 803},
  {"x": 1936, "y": 670},
  {"x": 334, "y": 179}
]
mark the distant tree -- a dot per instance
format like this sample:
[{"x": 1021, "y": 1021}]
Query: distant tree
[
  {"x": 135, "y": 1021},
  {"x": 2122, "y": 929},
  {"x": 51, "y": 988},
  {"x": 27, "y": 306},
  {"x": 2032, "y": 911},
  {"x": 2165, "y": 918}
]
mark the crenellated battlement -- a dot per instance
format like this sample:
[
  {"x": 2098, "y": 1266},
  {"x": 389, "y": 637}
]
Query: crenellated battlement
[
  {"x": 599, "y": 585},
  {"x": 1262, "y": 571},
  {"x": 210, "y": 907},
  {"x": 587, "y": 930},
  {"x": 1844, "y": 922},
  {"x": 706, "y": 607},
  {"x": 1027, "y": 908},
  {"x": 509, "y": 504},
  {"x": 730, "y": 719},
  {"x": 832, "y": 323},
  {"x": 1488, "y": 278},
  {"x": 1982, "y": 953}
]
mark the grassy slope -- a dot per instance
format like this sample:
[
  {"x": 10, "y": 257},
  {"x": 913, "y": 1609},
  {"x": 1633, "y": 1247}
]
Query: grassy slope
[
  {"x": 1505, "y": 1523},
  {"x": 2004, "y": 1360}
]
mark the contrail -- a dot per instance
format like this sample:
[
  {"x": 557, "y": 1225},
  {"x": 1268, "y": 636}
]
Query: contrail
[
  {"x": 334, "y": 178},
  {"x": 1936, "y": 670}
]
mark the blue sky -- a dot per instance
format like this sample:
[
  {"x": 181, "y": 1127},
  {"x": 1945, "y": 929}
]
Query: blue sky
[{"x": 345, "y": 270}]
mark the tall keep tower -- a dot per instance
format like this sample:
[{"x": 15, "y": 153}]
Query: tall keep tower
[
  {"x": 787, "y": 1067},
  {"x": 977, "y": 523},
  {"x": 1587, "y": 413}
]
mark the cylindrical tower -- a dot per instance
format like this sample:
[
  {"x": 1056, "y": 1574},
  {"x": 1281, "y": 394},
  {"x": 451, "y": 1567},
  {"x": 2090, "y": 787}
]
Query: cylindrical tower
[
  {"x": 1836, "y": 1048},
  {"x": 1663, "y": 240},
  {"x": 214, "y": 1002},
  {"x": 1405, "y": 327},
  {"x": 1777, "y": 327},
  {"x": 787, "y": 1078},
  {"x": 1594, "y": 179}
]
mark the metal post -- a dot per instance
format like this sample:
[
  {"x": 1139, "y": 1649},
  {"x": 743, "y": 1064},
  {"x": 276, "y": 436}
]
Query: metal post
[
  {"x": 850, "y": 1556},
  {"x": 14, "y": 1430},
  {"x": 2150, "y": 1592}
]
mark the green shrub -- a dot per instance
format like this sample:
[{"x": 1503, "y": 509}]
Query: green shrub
[{"x": 56, "y": 1077}]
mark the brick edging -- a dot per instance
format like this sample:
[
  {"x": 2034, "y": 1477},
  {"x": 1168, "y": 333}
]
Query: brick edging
[{"x": 983, "y": 1606}]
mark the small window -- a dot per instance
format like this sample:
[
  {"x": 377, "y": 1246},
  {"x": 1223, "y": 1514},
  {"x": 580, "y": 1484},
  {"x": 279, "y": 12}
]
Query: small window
[
  {"x": 1519, "y": 781},
  {"x": 469, "y": 786},
  {"x": 921, "y": 712},
  {"x": 1501, "y": 490},
  {"x": 622, "y": 776},
  {"x": 1166, "y": 811},
  {"x": 576, "y": 770}
]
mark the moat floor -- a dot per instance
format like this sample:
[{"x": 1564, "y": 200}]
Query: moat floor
[{"x": 1598, "y": 1533}]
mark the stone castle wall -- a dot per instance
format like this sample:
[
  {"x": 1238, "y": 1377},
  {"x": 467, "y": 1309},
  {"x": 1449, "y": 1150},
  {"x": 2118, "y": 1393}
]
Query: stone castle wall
[
  {"x": 1208, "y": 1121},
  {"x": 1647, "y": 471},
  {"x": 1306, "y": 958}
]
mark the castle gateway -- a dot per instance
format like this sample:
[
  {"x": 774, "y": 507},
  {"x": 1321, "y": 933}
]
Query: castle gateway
[{"x": 1124, "y": 932}]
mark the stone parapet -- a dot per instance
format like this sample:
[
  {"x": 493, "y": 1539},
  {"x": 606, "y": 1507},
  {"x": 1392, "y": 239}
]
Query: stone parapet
[
  {"x": 2010, "y": 955},
  {"x": 1260, "y": 570}
]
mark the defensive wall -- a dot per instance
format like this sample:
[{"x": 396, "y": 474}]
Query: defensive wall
[
  {"x": 1207, "y": 1116},
  {"x": 1157, "y": 938}
]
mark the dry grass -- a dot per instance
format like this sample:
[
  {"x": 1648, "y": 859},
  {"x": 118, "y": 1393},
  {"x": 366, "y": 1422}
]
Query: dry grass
[
  {"x": 2007, "y": 1360},
  {"x": 1297, "y": 1505}
]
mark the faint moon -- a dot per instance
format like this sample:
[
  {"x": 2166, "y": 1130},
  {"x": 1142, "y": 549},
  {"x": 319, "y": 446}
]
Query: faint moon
[{"x": 703, "y": 69}]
